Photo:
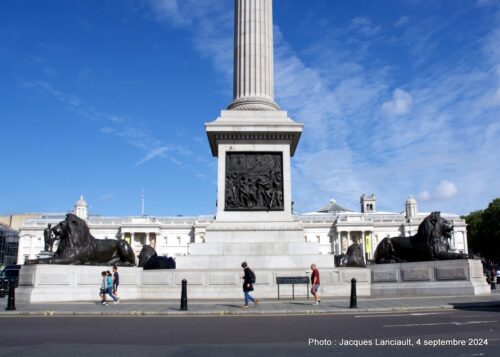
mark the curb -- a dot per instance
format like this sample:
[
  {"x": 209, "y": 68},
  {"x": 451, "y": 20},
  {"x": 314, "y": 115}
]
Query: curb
[
  {"x": 251, "y": 312},
  {"x": 218, "y": 313}
]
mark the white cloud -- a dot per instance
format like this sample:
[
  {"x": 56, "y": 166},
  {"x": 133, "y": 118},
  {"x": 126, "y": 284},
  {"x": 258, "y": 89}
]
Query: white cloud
[
  {"x": 445, "y": 190},
  {"x": 424, "y": 196},
  {"x": 131, "y": 132},
  {"x": 152, "y": 154},
  {"x": 319, "y": 175},
  {"x": 492, "y": 100},
  {"x": 68, "y": 99},
  {"x": 364, "y": 26},
  {"x": 400, "y": 104},
  {"x": 115, "y": 119},
  {"x": 186, "y": 12},
  {"x": 210, "y": 22},
  {"x": 169, "y": 10},
  {"x": 175, "y": 161},
  {"x": 403, "y": 20},
  {"x": 487, "y": 2},
  {"x": 107, "y": 130},
  {"x": 107, "y": 196}
]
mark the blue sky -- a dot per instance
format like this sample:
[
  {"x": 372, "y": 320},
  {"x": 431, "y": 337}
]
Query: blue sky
[{"x": 106, "y": 98}]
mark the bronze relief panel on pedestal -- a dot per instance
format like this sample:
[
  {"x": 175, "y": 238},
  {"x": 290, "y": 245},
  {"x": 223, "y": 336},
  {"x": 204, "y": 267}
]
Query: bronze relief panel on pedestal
[{"x": 254, "y": 181}]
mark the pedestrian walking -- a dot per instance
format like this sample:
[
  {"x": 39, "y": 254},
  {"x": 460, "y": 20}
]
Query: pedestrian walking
[
  {"x": 248, "y": 281},
  {"x": 116, "y": 281},
  {"x": 109, "y": 287},
  {"x": 315, "y": 284},
  {"x": 102, "y": 291}
]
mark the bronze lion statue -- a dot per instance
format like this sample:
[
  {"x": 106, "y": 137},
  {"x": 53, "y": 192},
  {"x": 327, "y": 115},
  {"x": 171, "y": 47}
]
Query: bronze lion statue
[
  {"x": 430, "y": 243},
  {"x": 353, "y": 257},
  {"x": 78, "y": 247},
  {"x": 149, "y": 259}
]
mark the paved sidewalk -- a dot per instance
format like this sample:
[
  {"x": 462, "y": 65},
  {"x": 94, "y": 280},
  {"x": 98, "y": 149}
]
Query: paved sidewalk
[{"x": 233, "y": 307}]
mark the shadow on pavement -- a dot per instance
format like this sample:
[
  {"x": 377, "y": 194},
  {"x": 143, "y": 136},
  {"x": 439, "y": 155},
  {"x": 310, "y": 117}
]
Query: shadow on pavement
[
  {"x": 301, "y": 303},
  {"x": 229, "y": 305},
  {"x": 493, "y": 306}
]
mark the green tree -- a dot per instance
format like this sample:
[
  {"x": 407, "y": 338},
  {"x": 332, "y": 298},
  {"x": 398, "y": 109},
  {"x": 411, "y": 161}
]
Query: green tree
[
  {"x": 474, "y": 221},
  {"x": 491, "y": 230},
  {"x": 483, "y": 231}
]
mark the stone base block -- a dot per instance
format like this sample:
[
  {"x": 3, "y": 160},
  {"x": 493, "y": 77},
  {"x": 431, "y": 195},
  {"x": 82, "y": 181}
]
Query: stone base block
[
  {"x": 445, "y": 277},
  {"x": 209, "y": 262},
  {"x": 53, "y": 283},
  {"x": 266, "y": 231},
  {"x": 252, "y": 249},
  {"x": 264, "y": 245}
]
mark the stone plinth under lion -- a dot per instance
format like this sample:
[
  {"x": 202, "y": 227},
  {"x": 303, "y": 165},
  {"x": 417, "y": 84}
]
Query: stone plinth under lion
[{"x": 77, "y": 246}]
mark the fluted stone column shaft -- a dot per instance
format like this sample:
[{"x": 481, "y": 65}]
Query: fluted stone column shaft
[{"x": 253, "y": 56}]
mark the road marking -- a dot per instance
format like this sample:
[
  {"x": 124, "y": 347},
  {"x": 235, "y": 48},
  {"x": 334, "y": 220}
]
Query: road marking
[
  {"x": 408, "y": 314},
  {"x": 456, "y": 323}
]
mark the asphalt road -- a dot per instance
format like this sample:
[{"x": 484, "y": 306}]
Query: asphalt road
[{"x": 470, "y": 333}]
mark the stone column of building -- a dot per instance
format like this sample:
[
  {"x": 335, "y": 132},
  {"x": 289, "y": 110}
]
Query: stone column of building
[
  {"x": 370, "y": 237},
  {"x": 253, "y": 56},
  {"x": 363, "y": 243}
]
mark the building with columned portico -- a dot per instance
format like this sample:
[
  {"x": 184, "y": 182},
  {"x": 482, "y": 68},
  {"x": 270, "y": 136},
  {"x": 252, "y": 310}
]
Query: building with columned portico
[{"x": 332, "y": 226}]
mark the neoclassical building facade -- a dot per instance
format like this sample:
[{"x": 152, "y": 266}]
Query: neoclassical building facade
[{"x": 333, "y": 226}]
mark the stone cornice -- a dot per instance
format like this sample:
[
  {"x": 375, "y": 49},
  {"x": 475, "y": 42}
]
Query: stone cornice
[{"x": 245, "y": 126}]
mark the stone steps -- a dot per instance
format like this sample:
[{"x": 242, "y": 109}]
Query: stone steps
[
  {"x": 254, "y": 248},
  {"x": 211, "y": 262}
]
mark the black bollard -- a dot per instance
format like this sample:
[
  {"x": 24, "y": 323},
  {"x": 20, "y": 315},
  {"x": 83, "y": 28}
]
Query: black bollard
[
  {"x": 184, "y": 298},
  {"x": 354, "y": 299},
  {"x": 11, "y": 302},
  {"x": 2, "y": 288}
]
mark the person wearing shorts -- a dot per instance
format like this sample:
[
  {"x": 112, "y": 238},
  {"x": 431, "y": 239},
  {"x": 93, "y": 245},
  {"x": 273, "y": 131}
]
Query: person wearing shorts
[
  {"x": 315, "y": 284},
  {"x": 102, "y": 291}
]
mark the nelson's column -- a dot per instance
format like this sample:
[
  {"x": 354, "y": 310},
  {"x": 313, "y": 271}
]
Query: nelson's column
[{"x": 254, "y": 140}]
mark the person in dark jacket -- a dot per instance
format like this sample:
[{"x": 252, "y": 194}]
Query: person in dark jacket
[
  {"x": 247, "y": 285},
  {"x": 116, "y": 281}
]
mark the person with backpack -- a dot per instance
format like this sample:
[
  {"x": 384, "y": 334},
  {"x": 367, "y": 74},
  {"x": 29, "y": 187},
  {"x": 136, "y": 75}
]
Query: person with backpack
[
  {"x": 102, "y": 291},
  {"x": 109, "y": 287},
  {"x": 248, "y": 281}
]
